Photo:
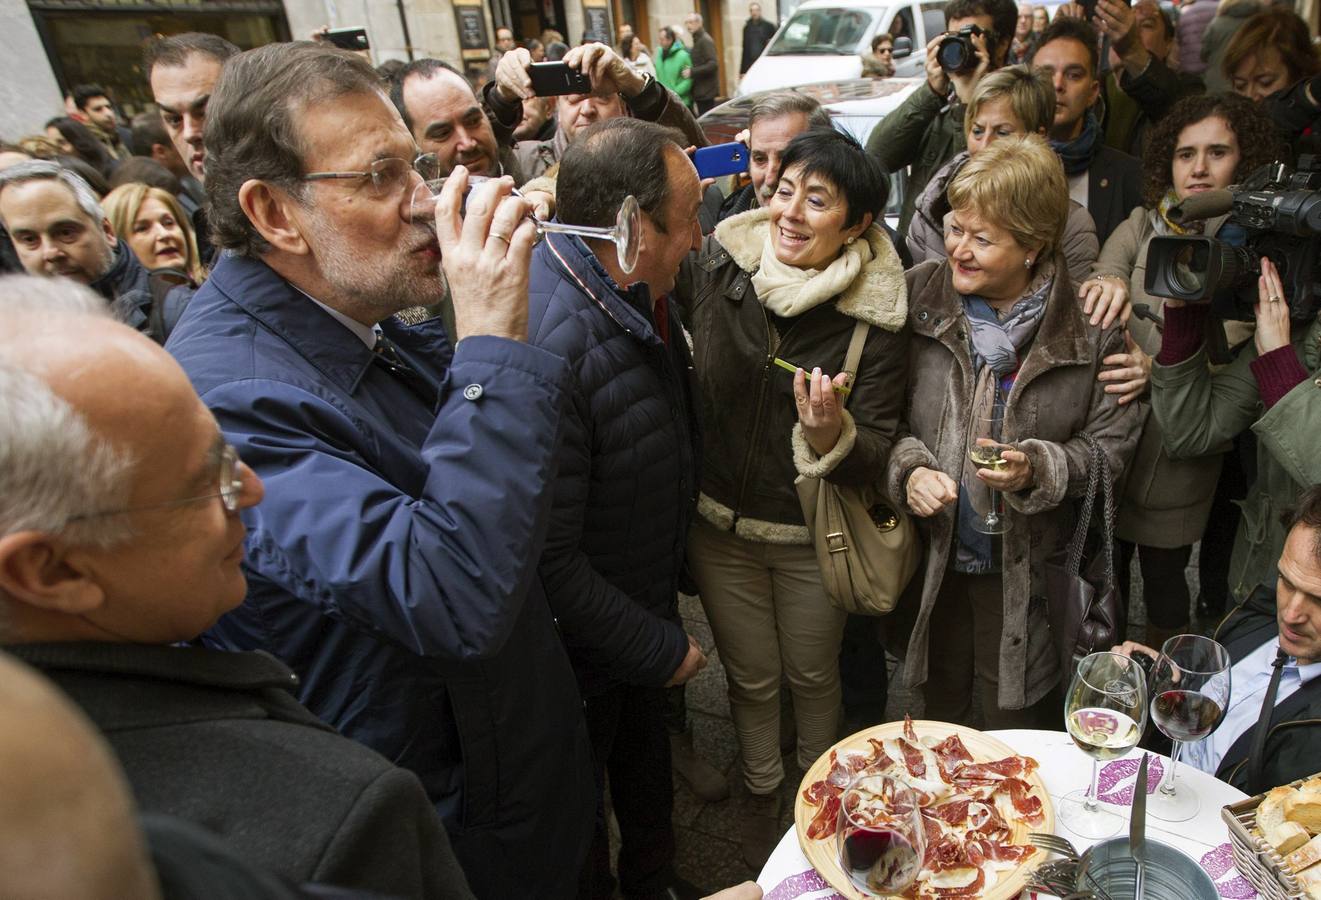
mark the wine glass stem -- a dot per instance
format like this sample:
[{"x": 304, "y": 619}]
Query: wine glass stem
[
  {"x": 1167, "y": 786},
  {"x": 1089, "y": 803},
  {"x": 587, "y": 231}
]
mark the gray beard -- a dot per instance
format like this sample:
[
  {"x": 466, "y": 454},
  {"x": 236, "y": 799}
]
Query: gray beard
[{"x": 371, "y": 286}]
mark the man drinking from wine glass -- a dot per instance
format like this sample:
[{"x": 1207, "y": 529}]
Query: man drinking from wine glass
[{"x": 1271, "y": 731}]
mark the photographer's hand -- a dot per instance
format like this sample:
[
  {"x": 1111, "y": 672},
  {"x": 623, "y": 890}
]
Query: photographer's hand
[
  {"x": 966, "y": 82},
  {"x": 608, "y": 71},
  {"x": 512, "y": 82},
  {"x": 937, "y": 80},
  {"x": 1273, "y": 329},
  {"x": 1115, "y": 20}
]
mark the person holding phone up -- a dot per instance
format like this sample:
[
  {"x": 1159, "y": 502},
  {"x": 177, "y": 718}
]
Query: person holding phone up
[{"x": 614, "y": 89}]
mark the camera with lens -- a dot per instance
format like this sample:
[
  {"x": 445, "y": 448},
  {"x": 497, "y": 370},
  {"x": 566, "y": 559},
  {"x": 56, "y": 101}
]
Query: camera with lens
[
  {"x": 955, "y": 52},
  {"x": 1275, "y": 213}
]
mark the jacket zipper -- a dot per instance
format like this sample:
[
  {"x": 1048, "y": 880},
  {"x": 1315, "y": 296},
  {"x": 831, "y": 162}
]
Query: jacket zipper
[{"x": 773, "y": 341}]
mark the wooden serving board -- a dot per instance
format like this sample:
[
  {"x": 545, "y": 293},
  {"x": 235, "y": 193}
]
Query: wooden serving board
[{"x": 823, "y": 854}]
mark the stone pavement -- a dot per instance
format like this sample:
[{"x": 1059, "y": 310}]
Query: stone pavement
[{"x": 708, "y": 833}]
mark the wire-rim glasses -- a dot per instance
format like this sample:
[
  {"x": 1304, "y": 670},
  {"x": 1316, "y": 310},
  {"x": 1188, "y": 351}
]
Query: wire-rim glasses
[
  {"x": 229, "y": 489},
  {"x": 387, "y": 176}
]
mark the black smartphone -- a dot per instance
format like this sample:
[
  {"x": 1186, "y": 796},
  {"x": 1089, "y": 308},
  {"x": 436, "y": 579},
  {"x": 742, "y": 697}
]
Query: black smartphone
[
  {"x": 722, "y": 159},
  {"x": 349, "y": 38},
  {"x": 551, "y": 79}
]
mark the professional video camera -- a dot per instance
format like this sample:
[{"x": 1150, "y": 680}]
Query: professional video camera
[
  {"x": 955, "y": 52},
  {"x": 1279, "y": 210}
]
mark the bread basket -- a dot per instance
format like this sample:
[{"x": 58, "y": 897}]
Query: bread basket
[{"x": 1256, "y": 860}]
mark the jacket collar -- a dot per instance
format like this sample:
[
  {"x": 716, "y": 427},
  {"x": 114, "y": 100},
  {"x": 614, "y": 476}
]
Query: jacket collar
[
  {"x": 286, "y": 311},
  {"x": 1062, "y": 340},
  {"x": 629, "y": 307},
  {"x": 183, "y": 665},
  {"x": 878, "y": 296}
]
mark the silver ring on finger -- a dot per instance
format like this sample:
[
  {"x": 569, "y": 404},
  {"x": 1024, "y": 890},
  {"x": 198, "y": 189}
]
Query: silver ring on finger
[
  {"x": 499, "y": 236},
  {"x": 1275, "y": 299}
]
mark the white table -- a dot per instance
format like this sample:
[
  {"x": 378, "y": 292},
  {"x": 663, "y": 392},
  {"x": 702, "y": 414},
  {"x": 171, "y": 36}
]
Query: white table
[{"x": 1064, "y": 768}]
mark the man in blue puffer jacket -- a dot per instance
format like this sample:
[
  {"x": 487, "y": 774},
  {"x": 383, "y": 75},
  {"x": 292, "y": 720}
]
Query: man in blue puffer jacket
[
  {"x": 408, "y": 479},
  {"x": 626, "y": 489}
]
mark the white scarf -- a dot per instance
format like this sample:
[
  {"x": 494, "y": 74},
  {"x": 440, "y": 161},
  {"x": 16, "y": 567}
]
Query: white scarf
[{"x": 790, "y": 291}]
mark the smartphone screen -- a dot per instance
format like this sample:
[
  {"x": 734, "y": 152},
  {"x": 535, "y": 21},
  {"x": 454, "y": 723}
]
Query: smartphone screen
[{"x": 349, "y": 38}]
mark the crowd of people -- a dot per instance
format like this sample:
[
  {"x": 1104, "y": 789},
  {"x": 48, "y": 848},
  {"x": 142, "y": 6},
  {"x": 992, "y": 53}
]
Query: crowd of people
[{"x": 348, "y": 513}]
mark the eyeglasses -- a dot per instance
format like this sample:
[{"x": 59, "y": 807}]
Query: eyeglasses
[
  {"x": 229, "y": 489},
  {"x": 387, "y": 177}
]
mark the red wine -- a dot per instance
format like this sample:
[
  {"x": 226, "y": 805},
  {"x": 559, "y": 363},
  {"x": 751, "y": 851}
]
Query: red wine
[
  {"x": 1185, "y": 715},
  {"x": 880, "y": 859}
]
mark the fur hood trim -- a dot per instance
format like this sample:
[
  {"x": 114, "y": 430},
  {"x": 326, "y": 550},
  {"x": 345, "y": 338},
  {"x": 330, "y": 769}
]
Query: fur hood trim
[
  {"x": 878, "y": 296},
  {"x": 756, "y": 530}
]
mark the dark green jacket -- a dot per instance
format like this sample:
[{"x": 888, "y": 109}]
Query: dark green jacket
[
  {"x": 925, "y": 132},
  {"x": 1200, "y": 412}
]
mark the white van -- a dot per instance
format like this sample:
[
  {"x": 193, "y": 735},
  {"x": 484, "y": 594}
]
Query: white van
[{"x": 823, "y": 40}]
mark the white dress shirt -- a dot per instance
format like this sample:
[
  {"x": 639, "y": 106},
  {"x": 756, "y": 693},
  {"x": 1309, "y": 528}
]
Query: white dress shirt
[
  {"x": 365, "y": 333},
  {"x": 1248, "y": 678}
]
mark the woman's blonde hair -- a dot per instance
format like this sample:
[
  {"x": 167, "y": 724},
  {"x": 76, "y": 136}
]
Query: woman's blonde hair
[
  {"x": 1017, "y": 183},
  {"x": 1031, "y": 97},
  {"x": 123, "y": 204}
]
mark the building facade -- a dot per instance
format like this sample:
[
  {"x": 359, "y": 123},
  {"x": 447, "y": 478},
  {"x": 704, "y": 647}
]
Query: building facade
[{"x": 52, "y": 45}]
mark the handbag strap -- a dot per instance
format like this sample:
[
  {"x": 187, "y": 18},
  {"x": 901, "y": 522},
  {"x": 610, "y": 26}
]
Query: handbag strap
[
  {"x": 854, "y": 355},
  {"x": 1098, "y": 484}
]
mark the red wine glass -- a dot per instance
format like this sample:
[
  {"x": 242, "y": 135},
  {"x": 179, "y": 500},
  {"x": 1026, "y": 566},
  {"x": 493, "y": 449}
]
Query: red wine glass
[
  {"x": 1189, "y": 695},
  {"x": 880, "y": 836}
]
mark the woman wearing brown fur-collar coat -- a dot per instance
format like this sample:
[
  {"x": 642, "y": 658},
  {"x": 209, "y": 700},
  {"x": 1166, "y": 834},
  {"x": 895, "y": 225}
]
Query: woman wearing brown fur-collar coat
[{"x": 998, "y": 332}]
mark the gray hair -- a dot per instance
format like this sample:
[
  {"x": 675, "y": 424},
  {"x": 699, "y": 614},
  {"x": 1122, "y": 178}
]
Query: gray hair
[
  {"x": 788, "y": 103},
  {"x": 45, "y": 170},
  {"x": 54, "y": 467}
]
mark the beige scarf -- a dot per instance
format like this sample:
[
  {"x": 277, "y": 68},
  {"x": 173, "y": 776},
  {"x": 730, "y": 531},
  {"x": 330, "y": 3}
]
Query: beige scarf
[{"x": 790, "y": 291}]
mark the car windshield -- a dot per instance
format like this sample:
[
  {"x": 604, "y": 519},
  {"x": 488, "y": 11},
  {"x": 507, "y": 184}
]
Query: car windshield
[{"x": 837, "y": 30}]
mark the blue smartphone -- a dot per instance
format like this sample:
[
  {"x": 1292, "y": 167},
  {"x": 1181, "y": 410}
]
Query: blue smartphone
[{"x": 722, "y": 159}]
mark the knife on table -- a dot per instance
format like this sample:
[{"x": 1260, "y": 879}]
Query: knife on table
[{"x": 1137, "y": 828}]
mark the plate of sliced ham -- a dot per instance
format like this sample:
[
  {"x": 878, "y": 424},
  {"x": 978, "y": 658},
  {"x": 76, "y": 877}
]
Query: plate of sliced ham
[{"x": 979, "y": 800}]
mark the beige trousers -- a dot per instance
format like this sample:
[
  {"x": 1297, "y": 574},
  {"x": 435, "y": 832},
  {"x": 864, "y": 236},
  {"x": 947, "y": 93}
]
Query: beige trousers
[{"x": 770, "y": 616}]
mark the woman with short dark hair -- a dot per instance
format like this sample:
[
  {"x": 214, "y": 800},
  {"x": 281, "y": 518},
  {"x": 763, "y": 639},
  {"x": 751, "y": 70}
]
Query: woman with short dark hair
[{"x": 781, "y": 287}]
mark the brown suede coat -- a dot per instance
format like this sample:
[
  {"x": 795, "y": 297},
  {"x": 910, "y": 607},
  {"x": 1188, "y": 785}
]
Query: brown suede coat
[{"x": 1055, "y": 397}]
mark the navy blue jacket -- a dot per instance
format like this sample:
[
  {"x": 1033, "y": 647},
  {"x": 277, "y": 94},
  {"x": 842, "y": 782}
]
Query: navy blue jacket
[
  {"x": 626, "y": 489},
  {"x": 392, "y": 564}
]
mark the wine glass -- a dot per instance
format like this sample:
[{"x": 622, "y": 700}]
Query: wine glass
[
  {"x": 1105, "y": 713},
  {"x": 880, "y": 835},
  {"x": 1189, "y": 694},
  {"x": 984, "y": 452},
  {"x": 626, "y": 234}
]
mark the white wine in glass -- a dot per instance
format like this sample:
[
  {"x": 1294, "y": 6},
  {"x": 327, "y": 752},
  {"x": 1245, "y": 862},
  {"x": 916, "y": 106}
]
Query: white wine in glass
[
  {"x": 1105, "y": 713},
  {"x": 985, "y": 452}
]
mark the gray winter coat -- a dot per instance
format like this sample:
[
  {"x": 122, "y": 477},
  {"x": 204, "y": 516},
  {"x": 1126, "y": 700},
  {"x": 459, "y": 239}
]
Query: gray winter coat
[{"x": 1055, "y": 397}]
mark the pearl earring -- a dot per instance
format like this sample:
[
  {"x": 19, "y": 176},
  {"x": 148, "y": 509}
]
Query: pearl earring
[{"x": 1027, "y": 263}]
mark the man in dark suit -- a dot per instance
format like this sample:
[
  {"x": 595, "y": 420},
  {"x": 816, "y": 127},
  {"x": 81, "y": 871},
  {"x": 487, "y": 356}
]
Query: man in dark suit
[
  {"x": 1274, "y": 642},
  {"x": 120, "y": 540},
  {"x": 1104, "y": 180},
  {"x": 757, "y": 33},
  {"x": 393, "y": 564}
]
